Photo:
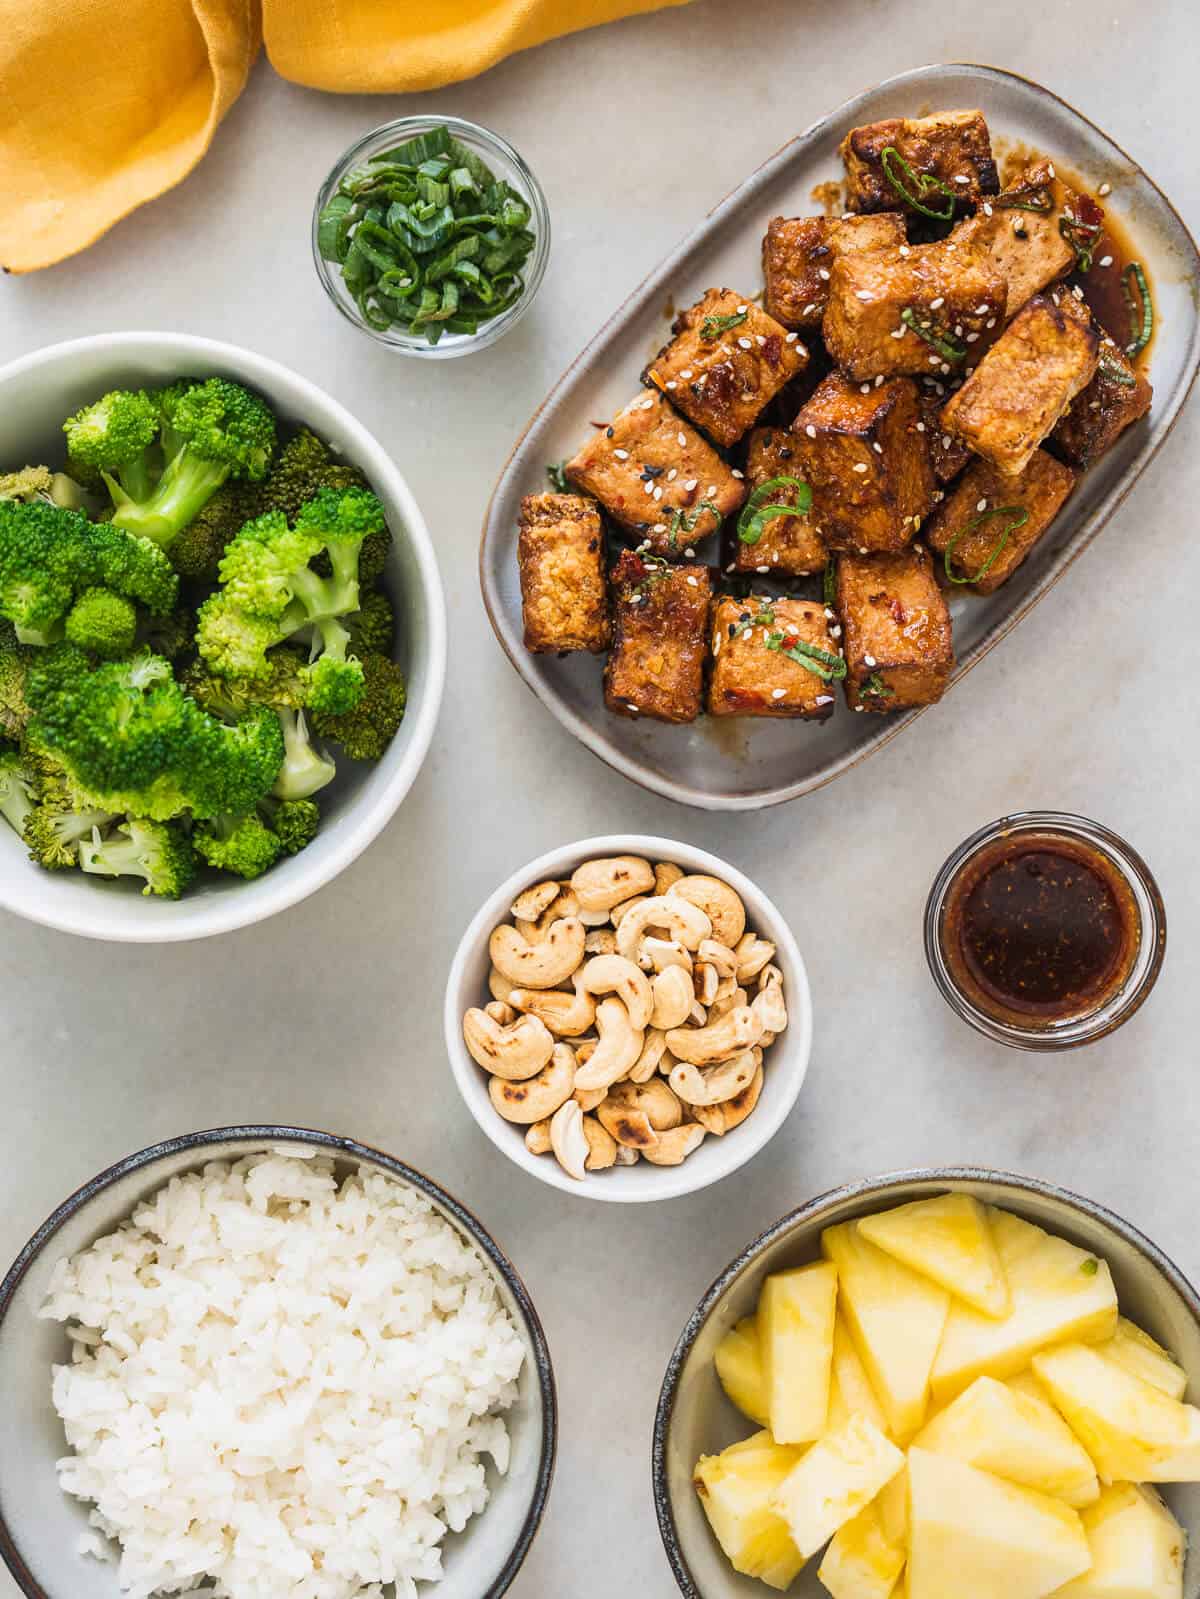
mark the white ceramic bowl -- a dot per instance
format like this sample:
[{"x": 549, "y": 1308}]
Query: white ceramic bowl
[
  {"x": 40, "y": 1526},
  {"x": 784, "y": 1067},
  {"x": 37, "y": 393}
]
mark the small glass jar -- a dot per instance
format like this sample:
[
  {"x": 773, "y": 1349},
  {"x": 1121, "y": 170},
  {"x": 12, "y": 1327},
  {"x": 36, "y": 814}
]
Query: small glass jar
[
  {"x": 1129, "y": 895},
  {"x": 505, "y": 164}
]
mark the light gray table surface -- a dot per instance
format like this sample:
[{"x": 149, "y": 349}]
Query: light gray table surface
[{"x": 330, "y": 1015}]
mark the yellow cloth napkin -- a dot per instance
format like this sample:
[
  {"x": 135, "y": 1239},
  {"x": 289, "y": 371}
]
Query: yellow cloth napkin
[{"x": 105, "y": 104}]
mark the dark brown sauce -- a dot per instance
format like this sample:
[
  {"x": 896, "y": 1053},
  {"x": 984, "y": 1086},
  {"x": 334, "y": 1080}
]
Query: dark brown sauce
[{"x": 1040, "y": 928}]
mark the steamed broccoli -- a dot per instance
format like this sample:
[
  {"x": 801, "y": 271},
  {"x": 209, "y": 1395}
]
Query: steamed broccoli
[
  {"x": 293, "y": 821},
  {"x": 30, "y": 483},
  {"x": 103, "y": 622},
  {"x": 14, "y": 707},
  {"x": 16, "y": 790},
  {"x": 197, "y": 549},
  {"x": 115, "y": 437},
  {"x": 305, "y": 467},
  {"x": 305, "y": 769},
  {"x": 244, "y": 845},
  {"x": 172, "y": 635},
  {"x": 54, "y": 831},
  {"x": 160, "y": 853},
  {"x": 366, "y": 730},
  {"x": 373, "y": 626}
]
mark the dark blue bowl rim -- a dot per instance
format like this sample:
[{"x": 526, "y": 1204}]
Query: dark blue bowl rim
[
  {"x": 808, "y": 1212},
  {"x": 346, "y": 1149}
]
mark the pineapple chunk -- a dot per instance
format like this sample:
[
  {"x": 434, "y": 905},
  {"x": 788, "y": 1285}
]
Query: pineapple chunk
[
  {"x": 738, "y": 1360},
  {"x": 1059, "y": 1294},
  {"x": 836, "y": 1478},
  {"x": 850, "y": 1391},
  {"x": 973, "y": 1534},
  {"x": 1016, "y": 1437},
  {"x": 735, "y": 1488},
  {"x": 892, "y": 1505},
  {"x": 895, "y": 1318},
  {"x": 795, "y": 1323},
  {"x": 1133, "y": 1431},
  {"x": 862, "y": 1562},
  {"x": 1137, "y": 1548},
  {"x": 950, "y": 1240},
  {"x": 1137, "y": 1352}
]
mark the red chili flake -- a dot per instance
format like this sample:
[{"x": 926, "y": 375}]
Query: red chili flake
[
  {"x": 634, "y": 566},
  {"x": 772, "y": 349},
  {"x": 899, "y": 614}
]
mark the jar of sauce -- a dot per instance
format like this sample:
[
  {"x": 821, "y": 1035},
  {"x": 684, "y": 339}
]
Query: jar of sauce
[{"x": 1045, "y": 931}]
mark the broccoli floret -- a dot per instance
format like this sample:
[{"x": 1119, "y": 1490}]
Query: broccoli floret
[
  {"x": 17, "y": 793},
  {"x": 116, "y": 438},
  {"x": 155, "y": 851},
  {"x": 197, "y": 550},
  {"x": 103, "y": 622},
  {"x": 14, "y": 707},
  {"x": 233, "y": 643},
  {"x": 172, "y": 635},
  {"x": 366, "y": 731},
  {"x": 244, "y": 845},
  {"x": 54, "y": 831},
  {"x": 373, "y": 626},
  {"x": 305, "y": 467},
  {"x": 294, "y": 822},
  {"x": 305, "y": 769},
  {"x": 31, "y": 483}
]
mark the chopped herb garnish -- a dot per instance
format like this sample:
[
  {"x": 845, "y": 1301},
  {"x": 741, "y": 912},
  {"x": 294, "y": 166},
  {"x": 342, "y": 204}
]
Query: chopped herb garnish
[
  {"x": 558, "y": 478},
  {"x": 1090, "y": 1268},
  {"x": 685, "y": 521},
  {"x": 1019, "y": 516},
  {"x": 821, "y": 663},
  {"x": 921, "y": 185},
  {"x": 876, "y": 687},
  {"x": 1039, "y": 199},
  {"x": 949, "y": 349},
  {"x": 715, "y": 324},
  {"x": 756, "y": 513},
  {"x": 1141, "y": 321},
  {"x": 1112, "y": 369},
  {"x": 747, "y": 623},
  {"x": 829, "y": 582},
  {"x": 1083, "y": 238}
]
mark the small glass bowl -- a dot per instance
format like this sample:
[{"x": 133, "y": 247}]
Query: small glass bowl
[
  {"x": 505, "y": 164},
  {"x": 1147, "y": 959}
]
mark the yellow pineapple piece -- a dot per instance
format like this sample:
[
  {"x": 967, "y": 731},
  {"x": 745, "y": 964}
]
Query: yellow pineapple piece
[
  {"x": 836, "y": 1478},
  {"x": 1137, "y": 1548},
  {"x": 862, "y": 1562},
  {"x": 974, "y": 1536},
  {"x": 850, "y": 1391},
  {"x": 795, "y": 1325},
  {"x": 735, "y": 1489},
  {"x": 948, "y": 1239},
  {"x": 1132, "y": 1430},
  {"x": 738, "y": 1360},
  {"x": 1014, "y": 1436},
  {"x": 1137, "y": 1352},
  {"x": 892, "y": 1504},
  {"x": 895, "y": 1318},
  {"x": 1059, "y": 1294}
]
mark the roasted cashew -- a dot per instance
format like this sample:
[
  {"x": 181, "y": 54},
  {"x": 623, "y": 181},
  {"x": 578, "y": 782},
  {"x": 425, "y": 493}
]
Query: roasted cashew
[
  {"x": 656, "y": 954},
  {"x": 540, "y": 1096},
  {"x": 630, "y": 1128},
  {"x": 569, "y": 1141},
  {"x": 725, "y": 1002},
  {"x": 501, "y": 1012},
  {"x": 563, "y": 904},
  {"x": 619, "y": 911},
  {"x": 527, "y": 907},
  {"x": 718, "y": 901},
  {"x": 513, "y": 1052},
  {"x": 537, "y": 1138},
  {"x": 588, "y": 1098},
  {"x": 686, "y": 923},
  {"x": 698, "y": 1015},
  {"x": 499, "y": 986},
  {"x": 769, "y": 1003},
  {"x": 718, "y": 1083},
  {"x": 567, "y": 1013},
  {"x": 618, "y": 1050},
  {"x": 752, "y": 953},
  {"x": 627, "y": 1156},
  {"x": 673, "y": 1148},
  {"x": 613, "y": 974},
  {"x": 600, "y": 941},
  {"x": 602, "y": 1146},
  {"x": 719, "y": 955},
  {"x": 656, "y": 1099},
  {"x": 541, "y": 965},
  {"x": 739, "y": 1029},
  {"x": 601, "y": 884},
  {"x": 706, "y": 982},
  {"x": 666, "y": 873},
  {"x": 644, "y": 1068},
  {"x": 721, "y": 1119},
  {"x": 673, "y": 998}
]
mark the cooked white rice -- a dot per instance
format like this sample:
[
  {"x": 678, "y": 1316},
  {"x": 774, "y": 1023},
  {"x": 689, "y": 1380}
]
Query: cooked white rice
[{"x": 281, "y": 1384}]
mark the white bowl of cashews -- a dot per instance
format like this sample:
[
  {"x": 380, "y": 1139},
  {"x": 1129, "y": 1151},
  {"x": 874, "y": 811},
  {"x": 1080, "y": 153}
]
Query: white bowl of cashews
[{"x": 628, "y": 1018}]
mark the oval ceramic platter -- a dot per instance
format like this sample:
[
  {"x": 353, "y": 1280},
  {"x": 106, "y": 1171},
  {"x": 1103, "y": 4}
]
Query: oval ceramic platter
[{"x": 746, "y": 763}]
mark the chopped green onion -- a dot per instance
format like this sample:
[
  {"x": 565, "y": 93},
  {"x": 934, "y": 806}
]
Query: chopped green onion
[
  {"x": 1141, "y": 326},
  {"x": 923, "y": 184},
  {"x": 949, "y": 349},
  {"x": 685, "y": 521},
  {"x": 756, "y": 513},
  {"x": 829, "y": 582},
  {"x": 713, "y": 326},
  {"x": 1039, "y": 199},
  {"x": 1019, "y": 516},
  {"x": 821, "y": 663},
  {"x": 558, "y": 477},
  {"x": 1111, "y": 369},
  {"x": 1083, "y": 238},
  {"x": 876, "y": 687}
]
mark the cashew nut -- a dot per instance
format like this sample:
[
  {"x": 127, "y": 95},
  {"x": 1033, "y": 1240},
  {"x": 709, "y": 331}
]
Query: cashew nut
[
  {"x": 618, "y": 1050},
  {"x": 718, "y": 1083},
  {"x": 514, "y": 1052},
  {"x": 602, "y": 1146},
  {"x": 739, "y": 1029},
  {"x": 698, "y": 1016},
  {"x": 619, "y": 911},
  {"x": 656, "y": 954},
  {"x": 685, "y": 922},
  {"x": 718, "y": 901},
  {"x": 600, "y": 941},
  {"x": 499, "y": 987},
  {"x": 613, "y": 974},
  {"x": 706, "y": 981},
  {"x": 666, "y": 873},
  {"x": 631, "y": 1128},
  {"x": 601, "y": 884},
  {"x": 500, "y": 1012},
  {"x": 540, "y": 1096},
  {"x": 655, "y": 1099},
  {"x": 644, "y": 1068},
  {"x": 527, "y": 907},
  {"x": 588, "y": 1098},
  {"x": 673, "y": 998},
  {"x": 541, "y": 965},
  {"x": 718, "y": 955},
  {"x": 627, "y": 1156},
  {"x": 537, "y": 1138},
  {"x": 752, "y": 953},
  {"x": 769, "y": 1003},
  {"x": 727, "y": 1001},
  {"x": 721, "y": 1119},
  {"x": 674, "y": 1147},
  {"x": 569, "y": 1141},
  {"x": 564, "y": 1012}
]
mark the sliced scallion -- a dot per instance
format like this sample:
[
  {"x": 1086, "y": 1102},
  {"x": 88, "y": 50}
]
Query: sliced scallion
[
  {"x": 756, "y": 512},
  {"x": 899, "y": 172},
  {"x": 1018, "y": 517},
  {"x": 1141, "y": 321},
  {"x": 949, "y": 349}
]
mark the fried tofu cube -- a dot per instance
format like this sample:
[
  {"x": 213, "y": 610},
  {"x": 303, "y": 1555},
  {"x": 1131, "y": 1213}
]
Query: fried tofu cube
[
  {"x": 865, "y": 461},
  {"x": 948, "y": 454},
  {"x": 980, "y": 522},
  {"x": 657, "y": 477},
  {"x": 728, "y": 360},
  {"x": 789, "y": 546},
  {"x": 660, "y": 634},
  {"x": 899, "y": 649},
  {"x": 1014, "y": 397},
  {"x": 1020, "y": 231},
  {"x": 953, "y": 147},
  {"x": 798, "y": 255},
  {"x": 759, "y": 650},
  {"x": 560, "y": 554},
  {"x": 1116, "y": 397},
  {"x": 936, "y": 306}
]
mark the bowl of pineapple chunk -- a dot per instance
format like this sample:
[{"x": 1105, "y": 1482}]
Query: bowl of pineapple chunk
[{"x": 945, "y": 1384}]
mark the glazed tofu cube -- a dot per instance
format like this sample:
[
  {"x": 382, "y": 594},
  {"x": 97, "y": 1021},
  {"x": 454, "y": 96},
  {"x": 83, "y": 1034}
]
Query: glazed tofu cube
[
  {"x": 560, "y": 554},
  {"x": 936, "y": 307},
  {"x": 1117, "y": 396},
  {"x": 798, "y": 256},
  {"x": 980, "y": 522},
  {"x": 788, "y": 546},
  {"x": 865, "y": 461},
  {"x": 899, "y": 650},
  {"x": 948, "y": 454},
  {"x": 952, "y": 147},
  {"x": 657, "y": 477},
  {"x": 759, "y": 649},
  {"x": 1020, "y": 232},
  {"x": 728, "y": 360},
  {"x": 660, "y": 633},
  {"x": 1014, "y": 397}
]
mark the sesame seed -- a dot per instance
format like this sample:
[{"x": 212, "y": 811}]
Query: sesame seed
[
  {"x": 659, "y": 527},
  {"x": 630, "y": 706},
  {"x": 672, "y": 474},
  {"x": 947, "y": 441},
  {"x": 936, "y": 305},
  {"x": 991, "y": 322},
  {"x": 869, "y": 659},
  {"x": 920, "y": 427},
  {"x": 691, "y": 582},
  {"x": 686, "y": 373},
  {"x": 859, "y": 707},
  {"x": 863, "y": 294},
  {"x": 809, "y": 308},
  {"x": 741, "y": 310},
  {"x": 689, "y": 552},
  {"x": 972, "y": 338},
  {"x": 1018, "y": 228},
  {"x": 745, "y": 344},
  {"x": 828, "y": 614},
  {"x": 1077, "y": 292},
  {"x": 621, "y": 455},
  {"x": 732, "y": 567},
  {"x": 810, "y": 430},
  {"x": 647, "y": 487},
  {"x": 777, "y": 693},
  {"x": 716, "y": 644},
  {"x": 939, "y": 388},
  {"x": 711, "y": 490},
  {"x": 1050, "y": 168},
  {"x": 681, "y": 440},
  {"x": 646, "y": 405},
  {"x": 671, "y": 384},
  {"x": 904, "y": 250},
  {"x": 793, "y": 630},
  {"x": 899, "y": 333},
  {"x": 982, "y": 506},
  {"x": 823, "y": 274},
  {"x": 835, "y": 631},
  {"x": 823, "y": 699},
  {"x": 790, "y": 338},
  {"x": 1106, "y": 260},
  {"x": 982, "y": 310},
  {"x": 736, "y": 472},
  {"x": 657, "y": 493},
  {"x": 959, "y": 178},
  {"x": 691, "y": 484},
  {"x": 944, "y": 370},
  {"x": 933, "y": 361},
  {"x": 864, "y": 388},
  {"x": 878, "y": 379},
  {"x": 860, "y": 466},
  {"x": 958, "y": 330},
  {"x": 1105, "y": 188},
  {"x": 878, "y": 448},
  {"x": 760, "y": 339},
  {"x": 762, "y": 568},
  {"x": 987, "y": 210}
]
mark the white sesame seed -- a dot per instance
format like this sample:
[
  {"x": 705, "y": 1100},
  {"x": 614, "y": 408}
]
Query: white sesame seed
[
  {"x": 860, "y": 466},
  {"x": 944, "y": 369},
  {"x": 621, "y": 455},
  {"x": 732, "y": 567},
  {"x": 745, "y": 344},
  {"x": 1106, "y": 260},
  {"x": 828, "y": 614},
  {"x": 947, "y": 441},
  {"x": 646, "y": 405},
  {"x": 982, "y": 506},
  {"x": 691, "y": 484},
  {"x": 1105, "y": 188},
  {"x": 959, "y": 178},
  {"x": 681, "y": 440},
  {"x": 982, "y": 310},
  {"x": 933, "y": 361},
  {"x": 938, "y": 496},
  {"x": 659, "y": 527},
  {"x": 987, "y": 210},
  {"x": 936, "y": 305},
  {"x": 736, "y": 472},
  {"x": 630, "y": 706},
  {"x": 716, "y": 644},
  {"x": 991, "y": 322},
  {"x": 823, "y": 274},
  {"x": 691, "y": 582},
  {"x": 878, "y": 379},
  {"x": 904, "y": 250},
  {"x": 899, "y": 333},
  {"x": 689, "y": 552},
  {"x": 760, "y": 339},
  {"x": 864, "y": 388},
  {"x": 710, "y": 490},
  {"x": 863, "y": 294},
  {"x": 778, "y": 693},
  {"x": 1050, "y": 168},
  {"x": 672, "y": 474},
  {"x": 741, "y": 310},
  {"x": 809, "y": 308},
  {"x": 869, "y": 659},
  {"x": 1077, "y": 292},
  {"x": 762, "y": 568},
  {"x": 657, "y": 492},
  {"x": 972, "y": 338},
  {"x": 958, "y": 330},
  {"x": 920, "y": 427},
  {"x": 835, "y": 631},
  {"x": 686, "y": 373},
  {"x": 790, "y": 338},
  {"x": 823, "y": 699},
  {"x": 671, "y": 384},
  {"x": 939, "y": 388},
  {"x": 793, "y": 630},
  {"x": 647, "y": 487}
]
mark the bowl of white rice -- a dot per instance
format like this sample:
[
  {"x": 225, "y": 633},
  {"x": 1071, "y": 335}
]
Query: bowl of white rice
[{"x": 269, "y": 1363}]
